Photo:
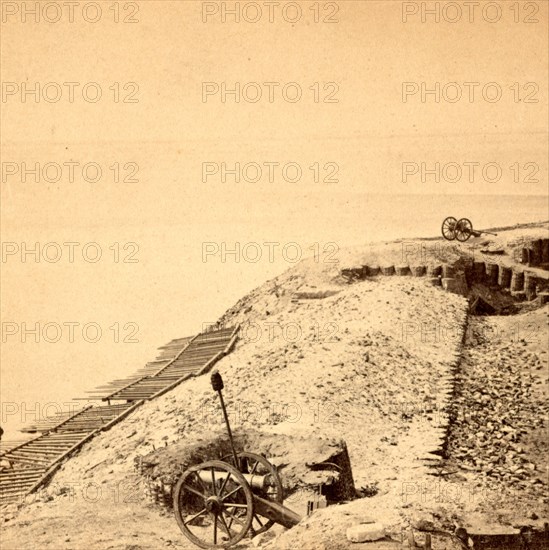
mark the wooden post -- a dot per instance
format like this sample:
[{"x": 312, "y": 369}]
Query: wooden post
[
  {"x": 434, "y": 270},
  {"x": 545, "y": 251},
  {"x": 536, "y": 252},
  {"x": 478, "y": 272},
  {"x": 504, "y": 277},
  {"x": 491, "y": 274},
  {"x": 447, "y": 271},
  {"x": 417, "y": 270},
  {"x": 517, "y": 280},
  {"x": 530, "y": 285}
]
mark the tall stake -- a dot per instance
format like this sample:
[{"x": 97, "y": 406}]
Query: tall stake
[{"x": 217, "y": 385}]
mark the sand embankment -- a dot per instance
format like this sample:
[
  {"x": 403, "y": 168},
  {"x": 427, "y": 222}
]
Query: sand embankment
[{"x": 372, "y": 363}]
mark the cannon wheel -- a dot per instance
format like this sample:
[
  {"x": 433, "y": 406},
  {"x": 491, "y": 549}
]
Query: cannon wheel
[
  {"x": 448, "y": 228},
  {"x": 464, "y": 230},
  {"x": 251, "y": 463},
  {"x": 206, "y": 513}
]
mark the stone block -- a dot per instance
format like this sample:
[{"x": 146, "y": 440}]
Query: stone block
[{"x": 364, "y": 532}]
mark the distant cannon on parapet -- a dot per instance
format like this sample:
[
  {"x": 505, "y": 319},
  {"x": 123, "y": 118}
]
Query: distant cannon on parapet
[{"x": 462, "y": 229}]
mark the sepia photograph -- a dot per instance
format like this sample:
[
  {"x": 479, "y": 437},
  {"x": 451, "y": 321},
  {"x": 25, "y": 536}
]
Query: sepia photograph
[{"x": 274, "y": 274}]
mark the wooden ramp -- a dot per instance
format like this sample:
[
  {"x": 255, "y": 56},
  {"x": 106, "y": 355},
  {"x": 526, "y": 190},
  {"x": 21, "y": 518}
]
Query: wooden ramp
[{"x": 26, "y": 466}]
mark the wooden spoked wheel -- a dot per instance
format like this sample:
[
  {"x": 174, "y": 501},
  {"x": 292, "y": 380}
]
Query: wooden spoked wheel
[
  {"x": 448, "y": 228},
  {"x": 464, "y": 230},
  {"x": 254, "y": 464},
  {"x": 213, "y": 505}
]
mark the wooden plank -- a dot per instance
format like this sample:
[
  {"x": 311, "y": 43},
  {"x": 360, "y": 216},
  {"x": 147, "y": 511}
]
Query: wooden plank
[
  {"x": 21, "y": 475},
  {"x": 44, "y": 457},
  {"x": 38, "y": 450},
  {"x": 48, "y": 443},
  {"x": 56, "y": 448},
  {"x": 73, "y": 416},
  {"x": 21, "y": 445},
  {"x": 113, "y": 394},
  {"x": 21, "y": 453},
  {"x": 204, "y": 350},
  {"x": 78, "y": 422},
  {"x": 25, "y": 460},
  {"x": 207, "y": 346},
  {"x": 53, "y": 467},
  {"x": 170, "y": 386},
  {"x": 199, "y": 355},
  {"x": 127, "y": 412},
  {"x": 177, "y": 356},
  {"x": 210, "y": 363},
  {"x": 17, "y": 486},
  {"x": 10, "y": 481},
  {"x": 13, "y": 491},
  {"x": 21, "y": 480},
  {"x": 227, "y": 350},
  {"x": 60, "y": 437},
  {"x": 19, "y": 492}
]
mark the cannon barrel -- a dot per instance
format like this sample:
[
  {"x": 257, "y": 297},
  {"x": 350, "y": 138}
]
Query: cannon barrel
[
  {"x": 275, "y": 511},
  {"x": 255, "y": 481}
]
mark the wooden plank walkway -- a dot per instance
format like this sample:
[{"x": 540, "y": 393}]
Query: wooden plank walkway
[{"x": 24, "y": 467}]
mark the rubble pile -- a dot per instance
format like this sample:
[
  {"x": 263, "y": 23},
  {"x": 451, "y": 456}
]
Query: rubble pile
[{"x": 501, "y": 407}]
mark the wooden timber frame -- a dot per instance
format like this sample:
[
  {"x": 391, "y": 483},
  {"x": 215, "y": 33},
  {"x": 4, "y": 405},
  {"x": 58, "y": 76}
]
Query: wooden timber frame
[{"x": 35, "y": 461}]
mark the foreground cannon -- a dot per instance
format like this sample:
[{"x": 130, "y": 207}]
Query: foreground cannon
[{"x": 218, "y": 502}]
